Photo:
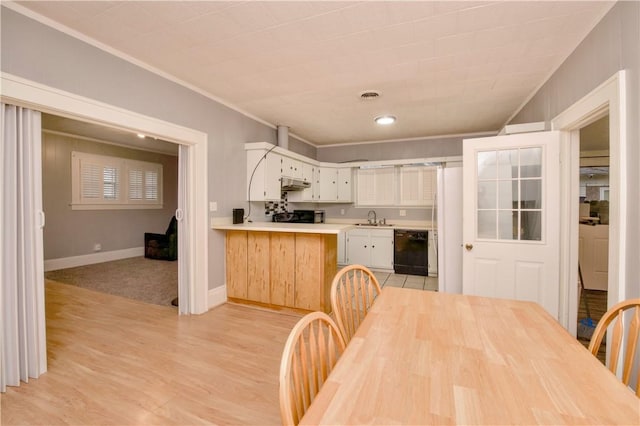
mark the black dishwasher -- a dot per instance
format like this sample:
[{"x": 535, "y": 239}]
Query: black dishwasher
[{"x": 410, "y": 252}]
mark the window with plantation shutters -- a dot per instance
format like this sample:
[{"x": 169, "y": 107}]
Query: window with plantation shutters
[
  {"x": 375, "y": 186},
  {"x": 417, "y": 185},
  {"x": 101, "y": 182}
]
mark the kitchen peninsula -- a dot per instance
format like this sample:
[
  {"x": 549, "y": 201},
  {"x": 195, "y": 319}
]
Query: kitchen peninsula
[{"x": 281, "y": 265}]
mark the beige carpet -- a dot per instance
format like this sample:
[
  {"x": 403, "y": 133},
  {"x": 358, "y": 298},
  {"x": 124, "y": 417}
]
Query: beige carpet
[{"x": 147, "y": 280}]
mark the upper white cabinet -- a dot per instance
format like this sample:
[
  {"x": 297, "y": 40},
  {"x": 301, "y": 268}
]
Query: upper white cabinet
[
  {"x": 310, "y": 173},
  {"x": 291, "y": 168},
  {"x": 335, "y": 184},
  {"x": 263, "y": 175},
  {"x": 345, "y": 184},
  {"x": 417, "y": 185},
  {"x": 410, "y": 182}
]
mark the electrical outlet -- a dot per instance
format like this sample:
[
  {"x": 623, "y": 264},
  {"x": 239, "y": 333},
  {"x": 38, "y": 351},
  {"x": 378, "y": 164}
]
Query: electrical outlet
[
  {"x": 213, "y": 206},
  {"x": 342, "y": 212},
  {"x": 97, "y": 247},
  {"x": 403, "y": 212}
]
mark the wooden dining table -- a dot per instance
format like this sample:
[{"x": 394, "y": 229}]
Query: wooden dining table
[{"x": 424, "y": 358}]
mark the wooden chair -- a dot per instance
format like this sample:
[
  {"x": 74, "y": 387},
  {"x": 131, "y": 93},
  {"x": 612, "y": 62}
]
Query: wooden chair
[
  {"x": 616, "y": 313},
  {"x": 312, "y": 349},
  {"x": 353, "y": 290}
]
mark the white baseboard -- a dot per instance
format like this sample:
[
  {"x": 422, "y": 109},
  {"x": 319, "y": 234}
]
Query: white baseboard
[
  {"x": 90, "y": 259},
  {"x": 217, "y": 296}
]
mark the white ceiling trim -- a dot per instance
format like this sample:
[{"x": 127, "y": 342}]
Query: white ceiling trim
[
  {"x": 95, "y": 43},
  {"x": 456, "y": 135},
  {"x": 554, "y": 70}
]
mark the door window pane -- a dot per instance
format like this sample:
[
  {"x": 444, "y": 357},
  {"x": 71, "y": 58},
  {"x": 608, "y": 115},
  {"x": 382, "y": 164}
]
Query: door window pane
[
  {"x": 531, "y": 228},
  {"x": 507, "y": 194},
  {"x": 487, "y": 165},
  {"x": 531, "y": 191},
  {"x": 508, "y": 164},
  {"x": 531, "y": 162},
  {"x": 487, "y": 195},
  {"x": 508, "y": 225},
  {"x": 487, "y": 224}
]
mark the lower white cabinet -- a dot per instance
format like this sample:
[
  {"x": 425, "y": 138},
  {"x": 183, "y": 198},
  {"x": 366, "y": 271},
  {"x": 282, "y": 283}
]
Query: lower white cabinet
[{"x": 370, "y": 247}]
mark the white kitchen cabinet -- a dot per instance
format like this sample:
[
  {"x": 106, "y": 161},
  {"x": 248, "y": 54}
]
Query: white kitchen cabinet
[
  {"x": 334, "y": 184},
  {"x": 310, "y": 173},
  {"x": 291, "y": 168},
  {"x": 372, "y": 248},
  {"x": 345, "y": 184},
  {"x": 263, "y": 175},
  {"x": 358, "y": 247}
]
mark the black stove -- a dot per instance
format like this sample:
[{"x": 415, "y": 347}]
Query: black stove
[{"x": 297, "y": 216}]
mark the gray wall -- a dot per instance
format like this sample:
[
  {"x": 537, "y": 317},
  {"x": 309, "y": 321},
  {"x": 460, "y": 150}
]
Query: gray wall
[
  {"x": 74, "y": 232},
  {"x": 444, "y": 147},
  {"x": 613, "y": 45},
  {"x": 36, "y": 52}
]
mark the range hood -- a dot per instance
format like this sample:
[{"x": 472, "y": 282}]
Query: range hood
[{"x": 290, "y": 184}]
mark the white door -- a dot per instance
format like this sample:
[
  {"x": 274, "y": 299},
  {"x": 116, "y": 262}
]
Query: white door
[{"x": 511, "y": 218}]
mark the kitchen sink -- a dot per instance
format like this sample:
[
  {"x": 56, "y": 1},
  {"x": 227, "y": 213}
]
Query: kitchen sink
[{"x": 374, "y": 224}]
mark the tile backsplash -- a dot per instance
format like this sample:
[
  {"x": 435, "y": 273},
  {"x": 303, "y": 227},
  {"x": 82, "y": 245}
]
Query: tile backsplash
[{"x": 271, "y": 207}]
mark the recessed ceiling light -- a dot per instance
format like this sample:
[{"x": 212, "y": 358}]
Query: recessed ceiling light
[
  {"x": 385, "y": 120},
  {"x": 141, "y": 136}
]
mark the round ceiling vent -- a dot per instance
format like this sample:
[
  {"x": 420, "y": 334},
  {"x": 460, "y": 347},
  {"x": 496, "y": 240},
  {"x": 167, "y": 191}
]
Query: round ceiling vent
[{"x": 368, "y": 95}]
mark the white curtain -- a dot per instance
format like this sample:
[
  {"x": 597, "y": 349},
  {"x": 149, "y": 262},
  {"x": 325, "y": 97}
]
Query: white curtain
[
  {"x": 23, "y": 352},
  {"x": 182, "y": 214}
]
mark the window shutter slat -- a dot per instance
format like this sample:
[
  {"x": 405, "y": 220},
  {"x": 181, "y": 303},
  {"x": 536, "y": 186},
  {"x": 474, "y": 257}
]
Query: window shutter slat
[
  {"x": 135, "y": 184},
  {"x": 151, "y": 185}
]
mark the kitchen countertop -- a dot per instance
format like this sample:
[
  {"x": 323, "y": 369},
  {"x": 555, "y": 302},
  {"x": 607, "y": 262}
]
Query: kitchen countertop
[
  {"x": 307, "y": 228},
  {"x": 334, "y": 226}
]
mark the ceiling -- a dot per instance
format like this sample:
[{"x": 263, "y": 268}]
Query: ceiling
[{"x": 441, "y": 67}]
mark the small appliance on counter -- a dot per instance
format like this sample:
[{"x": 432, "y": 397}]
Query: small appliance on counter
[
  {"x": 300, "y": 216},
  {"x": 238, "y": 216}
]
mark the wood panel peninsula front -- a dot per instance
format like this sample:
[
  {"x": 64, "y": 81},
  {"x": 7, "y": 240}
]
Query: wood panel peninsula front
[{"x": 281, "y": 265}]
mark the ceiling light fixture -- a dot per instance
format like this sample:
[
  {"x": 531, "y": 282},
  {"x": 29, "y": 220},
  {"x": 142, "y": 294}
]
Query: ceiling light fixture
[
  {"x": 385, "y": 120},
  {"x": 141, "y": 136}
]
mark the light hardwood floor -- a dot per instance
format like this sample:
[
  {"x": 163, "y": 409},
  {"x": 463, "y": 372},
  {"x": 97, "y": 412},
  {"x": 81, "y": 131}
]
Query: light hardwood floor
[{"x": 119, "y": 361}]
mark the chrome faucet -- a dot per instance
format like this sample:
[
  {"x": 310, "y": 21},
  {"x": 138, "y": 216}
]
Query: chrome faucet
[{"x": 374, "y": 217}]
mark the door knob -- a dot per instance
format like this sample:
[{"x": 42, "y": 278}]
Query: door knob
[{"x": 468, "y": 246}]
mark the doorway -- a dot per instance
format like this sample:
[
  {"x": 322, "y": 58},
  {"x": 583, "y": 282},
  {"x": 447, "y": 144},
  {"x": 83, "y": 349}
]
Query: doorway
[
  {"x": 102, "y": 246},
  {"x": 194, "y": 297},
  {"x": 593, "y": 233},
  {"x": 607, "y": 99}
]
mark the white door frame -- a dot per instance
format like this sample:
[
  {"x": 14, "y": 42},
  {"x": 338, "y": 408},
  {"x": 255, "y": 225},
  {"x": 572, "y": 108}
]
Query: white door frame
[
  {"x": 26, "y": 93},
  {"x": 609, "y": 97}
]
